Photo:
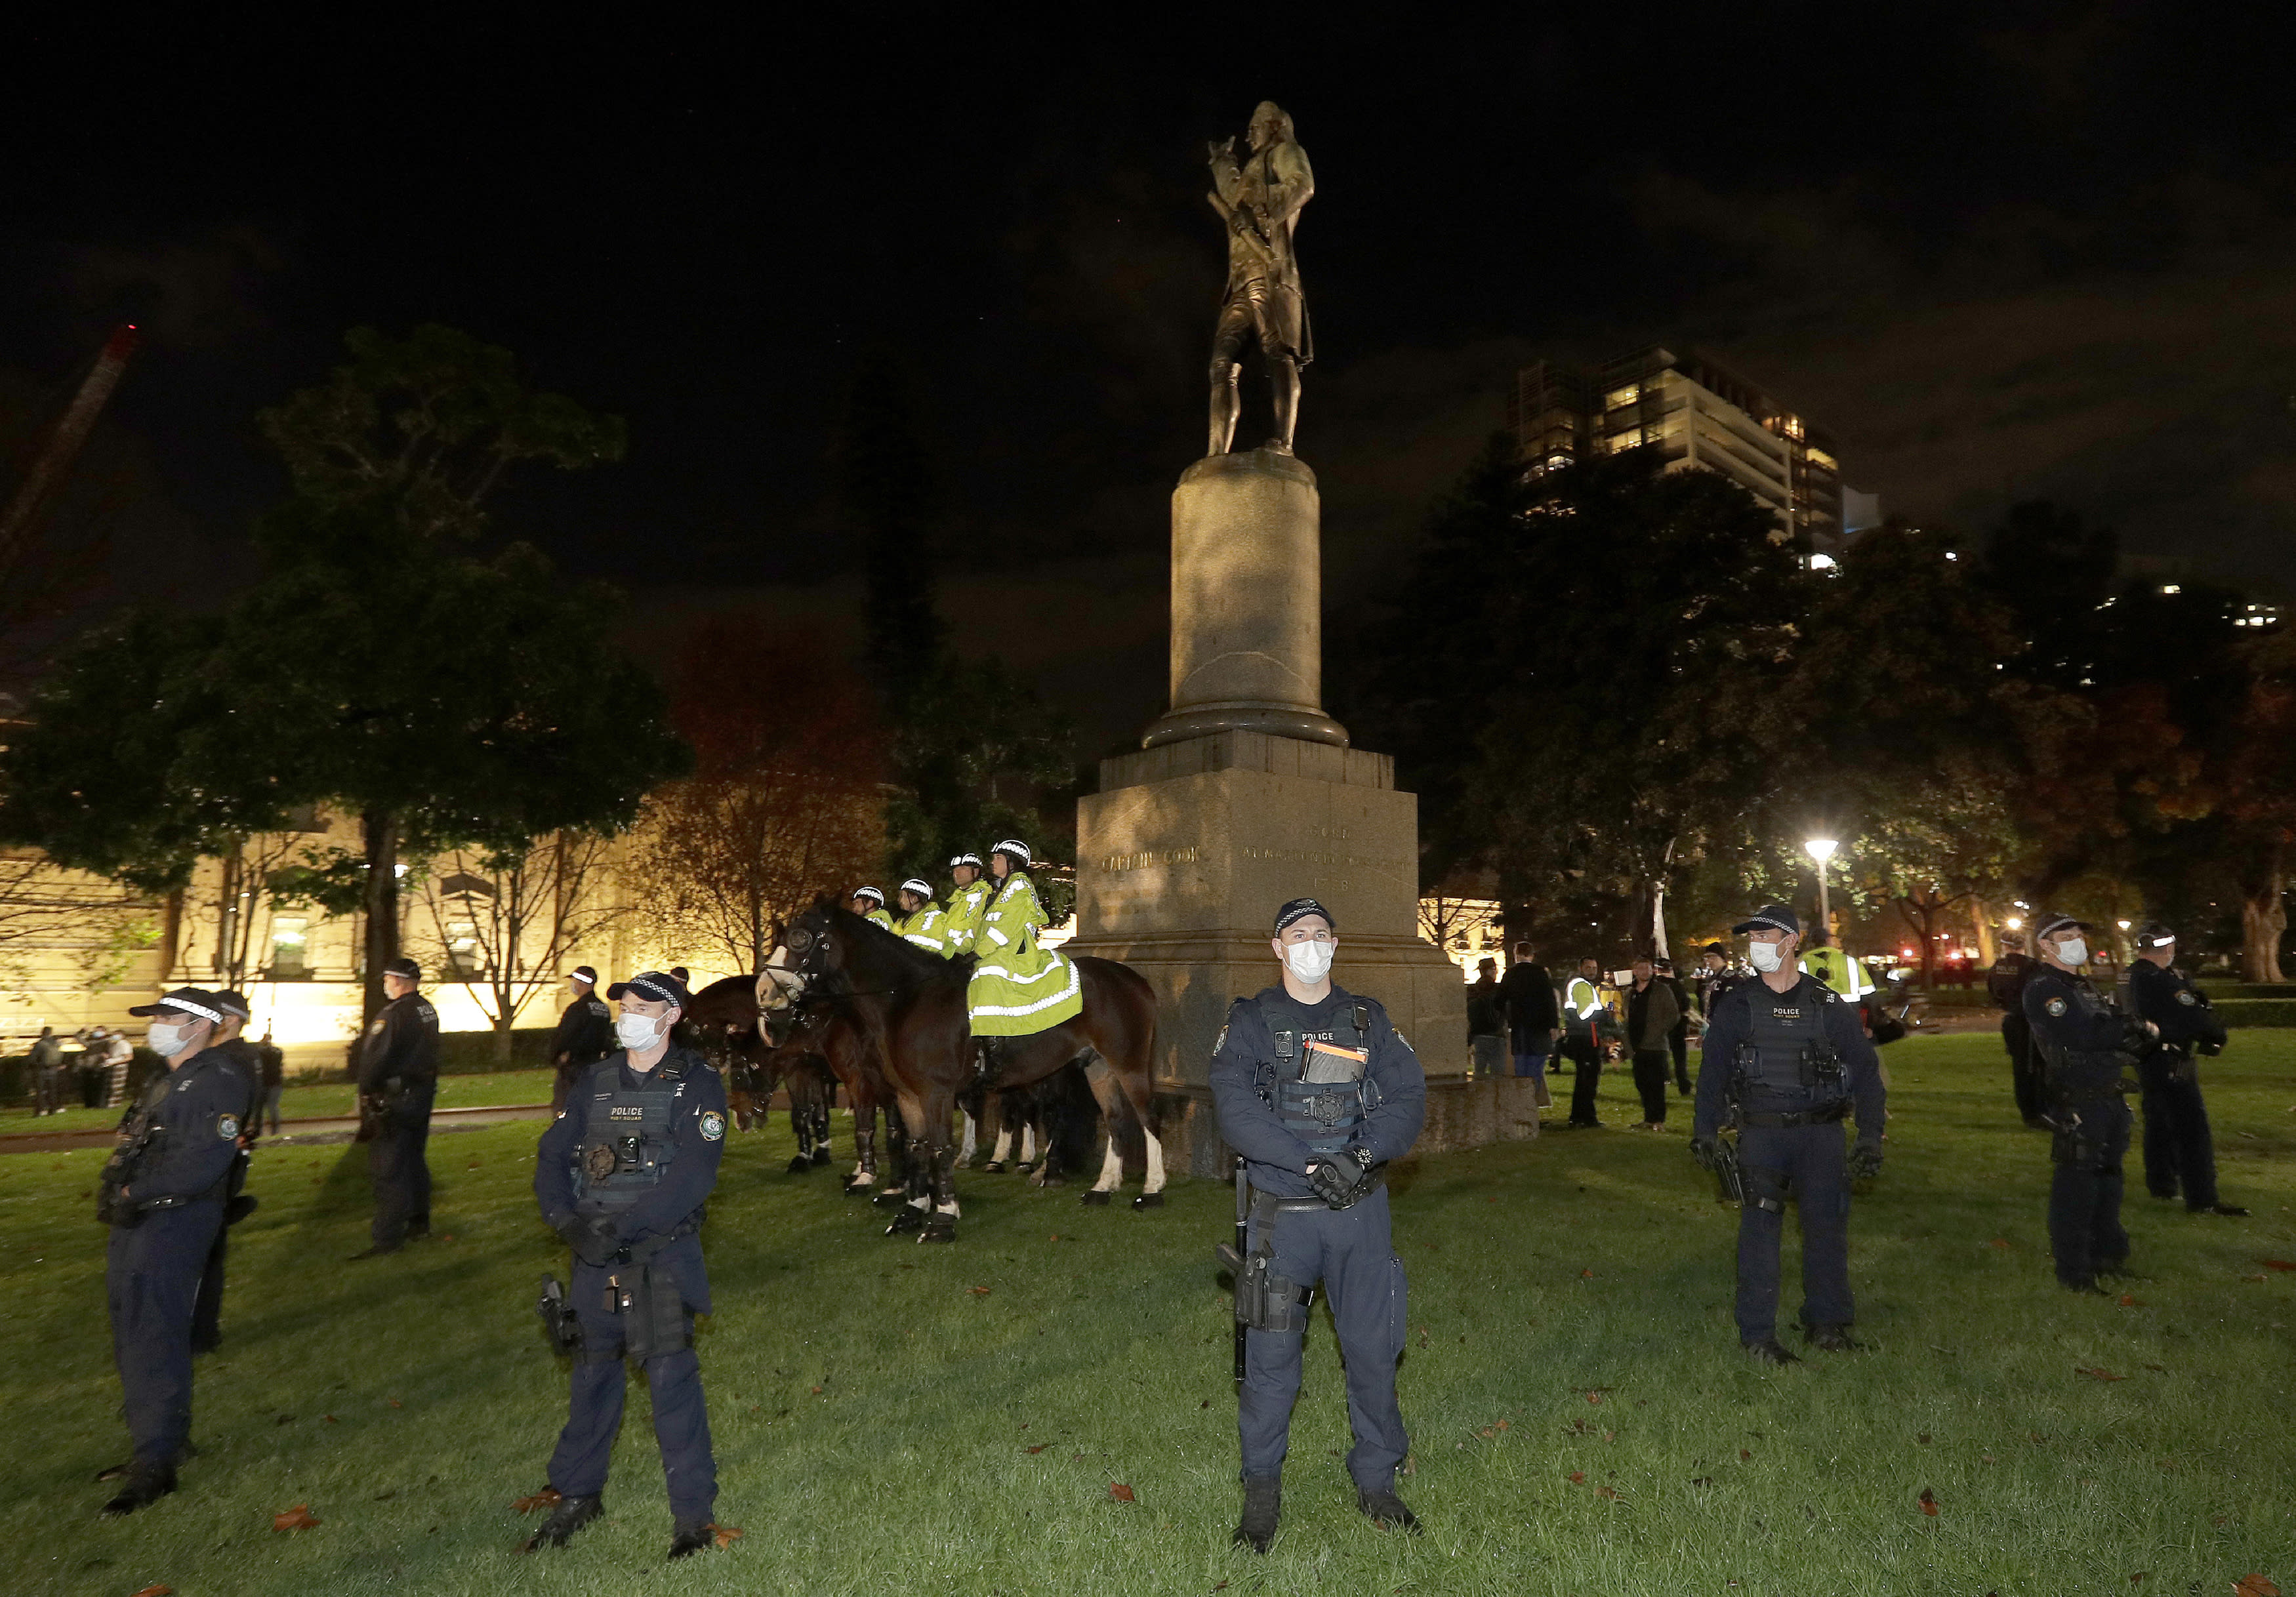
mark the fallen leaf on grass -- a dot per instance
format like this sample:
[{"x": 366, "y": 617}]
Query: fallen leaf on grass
[
  {"x": 816, "y": 1391},
  {"x": 548, "y": 1497},
  {"x": 977, "y": 1291},
  {"x": 2278, "y": 1264},
  {"x": 723, "y": 1535},
  {"x": 2139, "y": 1575},
  {"x": 1929, "y": 1502},
  {"x": 2254, "y": 1586},
  {"x": 299, "y": 1517},
  {"x": 1121, "y": 1493},
  {"x": 1595, "y": 1397},
  {"x": 395, "y": 1403},
  {"x": 1998, "y": 1243},
  {"x": 1586, "y": 1274},
  {"x": 1040, "y": 1448},
  {"x": 329, "y": 1419},
  {"x": 2259, "y": 1275},
  {"x": 1606, "y": 1491},
  {"x": 1743, "y": 1456},
  {"x": 157, "y": 1592},
  {"x": 2099, "y": 1374},
  {"x": 1923, "y": 1439},
  {"x": 2129, "y": 1302},
  {"x": 2158, "y": 1368},
  {"x": 1578, "y": 1477}
]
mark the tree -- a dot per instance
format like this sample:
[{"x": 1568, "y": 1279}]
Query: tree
[
  {"x": 506, "y": 921},
  {"x": 1584, "y": 677},
  {"x": 446, "y": 696},
  {"x": 786, "y": 800}
]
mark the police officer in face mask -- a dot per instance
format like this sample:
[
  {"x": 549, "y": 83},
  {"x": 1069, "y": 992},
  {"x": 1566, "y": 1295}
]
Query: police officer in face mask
[
  {"x": 397, "y": 1080},
  {"x": 1318, "y": 1093},
  {"x": 622, "y": 1175},
  {"x": 1786, "y": 1061},
  {"x": 2178, "y": 1151},
  {"x": 2083, "y": 1043},
  {"x": 585, "y": 1034},
  {"x": 163, "y": 1195}
]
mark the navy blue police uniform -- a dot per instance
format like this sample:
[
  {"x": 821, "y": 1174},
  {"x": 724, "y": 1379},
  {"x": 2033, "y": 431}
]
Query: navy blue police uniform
[
  {"x": 2083, "y": 1043},
  {"x": 584, "y": 1036},
  {"x": 2180, "y": 1156},
  {"x": 399, "y": 1073},
  {"x": 164, "y": 1193},
  {"x": 1291, "y": 1081},
  {"x": 206, "y": 1319},
  {"x": 623, "y": 1173},
  {"x": 1789, "y": 1068},
  {"x": 2007, "y": 984}
]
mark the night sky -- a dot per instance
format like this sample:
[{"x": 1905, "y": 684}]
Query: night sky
[{"x": 2002, "y": 252}]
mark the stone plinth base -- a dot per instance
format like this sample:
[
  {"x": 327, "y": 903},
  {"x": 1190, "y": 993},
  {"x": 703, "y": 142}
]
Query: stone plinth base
[
  {"x": 1183, "y": 857},
  {"x": 1460, "y": 1114}
]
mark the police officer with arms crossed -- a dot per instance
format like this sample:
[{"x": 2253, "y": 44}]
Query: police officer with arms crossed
[
  {"x": 2082, "y": 1042},
  {"x": 585, "y": 1034},
  {"x": 163, "y": 1194},
  {"x": 1786, "y": 1061},
  {"x": 398, "y": 1078},
  {"x": 2179, "y": 1152},
  {"x": 622, "y": 1175},
  {"x": 1318, "y": 1092}
]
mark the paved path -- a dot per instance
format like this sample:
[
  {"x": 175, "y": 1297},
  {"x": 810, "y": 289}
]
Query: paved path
[{"x": 335, "y": 1128}]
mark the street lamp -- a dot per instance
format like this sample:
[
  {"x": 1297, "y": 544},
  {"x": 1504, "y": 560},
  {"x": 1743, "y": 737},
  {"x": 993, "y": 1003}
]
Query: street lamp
[{"x": 1821, "y": 849}]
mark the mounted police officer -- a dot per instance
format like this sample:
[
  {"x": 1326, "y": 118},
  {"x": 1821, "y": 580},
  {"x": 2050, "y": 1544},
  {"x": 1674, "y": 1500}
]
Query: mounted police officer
[
  {"x": 1786, "y": 1061},
  {"x": 163, "y": 1195},
  {"x": 622, "y": 1175},
  {"x": 920, "y": 921},
  {"x": 1317, "y": 1092},
  {"x": 585, "y": 1034},
  {"x": 968, "y": 905},
  {"x": 2083, "y": 1043},
  {"x": 2179, "y": 1154},
  {"x": 398, "y": 1079},
  {"x": 869, "y": 904},
  {"x": 206, "y": 1319}
]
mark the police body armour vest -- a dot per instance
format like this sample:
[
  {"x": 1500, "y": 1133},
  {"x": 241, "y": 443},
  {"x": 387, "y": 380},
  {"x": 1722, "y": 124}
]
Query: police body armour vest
[
  {"x": 2074, "y": 1074},
  {"x": 627, "y": 1144},
  {"x": 1791, "y": 1059},
  {"x": 1322, "y": 1093}
]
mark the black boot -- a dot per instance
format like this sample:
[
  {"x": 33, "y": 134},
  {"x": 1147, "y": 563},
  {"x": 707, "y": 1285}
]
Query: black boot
[
  {"x": 1831, "y": 1339},
  {"x": 691, "y": 1536},
  {"x": 146, "y": 1485},
  {"x": 570, "y": 1515},
  {"x": 2233, "y": 1211},
  {"x": 1770, "y": 1351},
  {"x": 1386, "y": 1511},
  {"x": 1263, "y": 1505}
]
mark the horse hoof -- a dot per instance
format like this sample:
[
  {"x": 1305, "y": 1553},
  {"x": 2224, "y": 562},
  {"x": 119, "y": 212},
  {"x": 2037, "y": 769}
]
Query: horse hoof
[
  {"x": 821, "y": 1155},
  {"x": 799, "y": 1164},
  {"x": 1096, "y": 1198},
  {"x": 890, "y": 1196},
  {"x": 1023, "y": 1167},
  {"x": 1149, "y": 1201},
  {"x": 1050, "y": 1180},
  {"x": 858, "y": 1189},
  {"x": 940, "y": 1228},
  {"x": 995, "y": 1167},
  {"x": 909, "y": 1219}
]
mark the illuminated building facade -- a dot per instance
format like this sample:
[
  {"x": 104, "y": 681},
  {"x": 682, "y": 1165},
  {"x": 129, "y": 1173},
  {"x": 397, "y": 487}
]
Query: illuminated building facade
[{"x": 1699, "y": 415}]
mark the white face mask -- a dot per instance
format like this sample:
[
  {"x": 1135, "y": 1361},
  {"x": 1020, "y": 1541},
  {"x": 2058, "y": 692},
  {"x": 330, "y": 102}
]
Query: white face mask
[
  {"x": 637, "y": 1033},
  {"x": 2073, "y": 951},
  {"x": 1765, "y": 956},
  {"x": 1309, "y": 962},
  {"x": 166, "y": 1041}
]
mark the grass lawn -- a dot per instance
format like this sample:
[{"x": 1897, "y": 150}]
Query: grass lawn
[
  {"x": 1583, "y": 1421},
  {"x": 314, "y": 1100}
]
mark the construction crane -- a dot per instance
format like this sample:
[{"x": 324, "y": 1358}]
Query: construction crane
[{"x": 53, "y": 462}]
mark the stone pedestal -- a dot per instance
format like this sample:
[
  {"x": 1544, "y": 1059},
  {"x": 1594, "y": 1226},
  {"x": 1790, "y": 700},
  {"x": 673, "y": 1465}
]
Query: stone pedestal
[{"x": 1245, "y": 795}]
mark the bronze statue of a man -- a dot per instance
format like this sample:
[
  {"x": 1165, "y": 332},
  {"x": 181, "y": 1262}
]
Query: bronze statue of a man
[{"x": 1260, "y": 199}]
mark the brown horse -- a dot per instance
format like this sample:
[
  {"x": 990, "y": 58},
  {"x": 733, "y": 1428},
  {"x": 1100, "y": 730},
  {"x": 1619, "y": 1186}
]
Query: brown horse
[
  {"x": 916, "y": 1001},
  {"x": 723, "y": 1024}
]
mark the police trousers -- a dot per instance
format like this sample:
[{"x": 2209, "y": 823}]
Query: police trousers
[
  {"x": 397, "y": 1159},
  {"x": 681, "y": 1420},
  {"x": 150, "y": 1283},
  {"x": 2180, "y": 1156},
  {"x": 2084, "y": 1229},
  {"x": 1807, "y": 1162},
  {"x": 1352, "y": 1253}
]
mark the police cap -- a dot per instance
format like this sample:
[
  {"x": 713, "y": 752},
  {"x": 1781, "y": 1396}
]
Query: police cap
[
  {"x": 1770, "y": 917},
  {"x": 182, "y": 1001},
  {"x": 235, "y": 1003},
  {"x": 405, "y": 968},
  {"x": 1299, "y": 909},
  {"x": 2155, "y": 934},
  {"x": 660, "y": 986},
  {"x": 2053, "y": 927},
  {"x": 583, "y": 974}
]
